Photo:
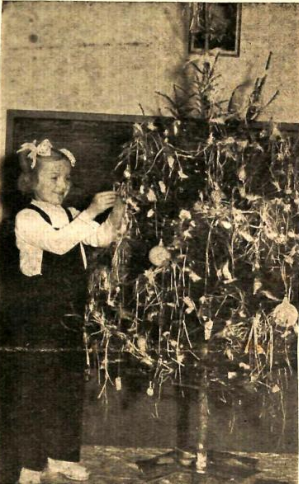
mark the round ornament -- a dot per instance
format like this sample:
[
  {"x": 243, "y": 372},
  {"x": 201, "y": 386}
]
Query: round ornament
[
  {"x": 285, "y": 314},
  {"x": 159, "y": 255}
]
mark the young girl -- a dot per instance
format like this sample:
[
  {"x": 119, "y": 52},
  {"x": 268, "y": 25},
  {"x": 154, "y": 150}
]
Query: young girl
[{"x": 48, "y": 321}]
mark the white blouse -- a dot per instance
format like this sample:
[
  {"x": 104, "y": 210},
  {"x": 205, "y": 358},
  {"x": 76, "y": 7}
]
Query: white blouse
[{"x": 34, "y": 234}]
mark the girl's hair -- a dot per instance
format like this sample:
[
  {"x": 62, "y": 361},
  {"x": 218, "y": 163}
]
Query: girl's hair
[{"x": 29, "y": 176}]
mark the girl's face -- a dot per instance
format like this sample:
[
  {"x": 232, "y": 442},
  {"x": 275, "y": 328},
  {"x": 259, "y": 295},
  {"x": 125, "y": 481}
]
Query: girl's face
[{"x": 53, "y": 181}]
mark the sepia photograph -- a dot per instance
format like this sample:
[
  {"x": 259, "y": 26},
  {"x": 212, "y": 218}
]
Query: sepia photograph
[{"x": 149, "y": 242}]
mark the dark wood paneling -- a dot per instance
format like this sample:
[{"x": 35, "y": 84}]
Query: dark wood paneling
[{"x": 95, "y": 139}]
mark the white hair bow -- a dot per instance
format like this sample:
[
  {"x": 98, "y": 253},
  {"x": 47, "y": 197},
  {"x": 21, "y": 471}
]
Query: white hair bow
[
  {"x": 69, "y": 156},
  {"x": 44, "y": 149}
]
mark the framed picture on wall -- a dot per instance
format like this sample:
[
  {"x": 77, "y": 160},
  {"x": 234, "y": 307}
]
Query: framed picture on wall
[{"x": 215, "y": 26}]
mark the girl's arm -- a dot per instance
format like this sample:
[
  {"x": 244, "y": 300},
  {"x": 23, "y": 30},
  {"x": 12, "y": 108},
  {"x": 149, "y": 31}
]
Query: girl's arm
[
  {"x": 106, "y": 232},
  {"x": 32, "y": 229}
]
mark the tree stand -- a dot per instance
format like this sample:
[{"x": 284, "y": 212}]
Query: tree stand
[{"x": 202, "y": 465}]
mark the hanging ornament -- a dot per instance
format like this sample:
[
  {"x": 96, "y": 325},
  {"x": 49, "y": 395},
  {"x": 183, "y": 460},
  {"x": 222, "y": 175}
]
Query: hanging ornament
[
  {"x": 190, "y": 305},
  {"x": 257, "y": 284},
  {"x": 159, "y": 255},
  {"x": 182, "y": 175},
  {"x": 151, "y": 196},
  {"x": 162, "y": 187},
  {"x": 175, "y": 127},
  {"x": 275, "y": 389},
  {"x": 151, "y": 126},
  {"x": 242, "y": 175},
  {"x": 118, "y": 384},
  {"x": 127, "y": 172},
  {"x": 216, "y": 196},
  {"x": 150, "y": 390},
  {"x": 185, "y": 215},
  {"x": 275, "y": 134},
  {"x": 225, "y": 224},
  {"x": 170, "y": 161},
  {"x": 142, "y": 344},
  {"x": 285, "y": 314},
  {"x": 208, "y": 326},
  {"x": 224, "y": 272}
]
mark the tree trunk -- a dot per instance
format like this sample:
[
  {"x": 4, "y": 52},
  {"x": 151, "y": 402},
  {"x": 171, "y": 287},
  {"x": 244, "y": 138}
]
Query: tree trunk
[{"x": 201, "y": 450}]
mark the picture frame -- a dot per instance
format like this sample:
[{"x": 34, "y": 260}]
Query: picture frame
[{"x": 215, "y": 27}]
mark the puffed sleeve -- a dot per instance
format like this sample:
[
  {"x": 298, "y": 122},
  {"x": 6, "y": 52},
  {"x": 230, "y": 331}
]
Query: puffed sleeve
[{"x": 34, "y": 230}]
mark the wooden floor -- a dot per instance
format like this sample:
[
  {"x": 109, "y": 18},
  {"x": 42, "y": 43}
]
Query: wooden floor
[
  {"x": 131, "y": 418},
  {"x": 112, "y": 465}
]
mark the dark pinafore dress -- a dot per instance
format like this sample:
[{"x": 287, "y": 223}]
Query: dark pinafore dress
[{"x": 49, "y": 362}]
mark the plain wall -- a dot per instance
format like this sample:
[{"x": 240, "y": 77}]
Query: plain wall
[{"x": 103, "y": 57}]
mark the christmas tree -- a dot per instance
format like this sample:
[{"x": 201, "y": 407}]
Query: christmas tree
[{"x": 206, "y": 271}]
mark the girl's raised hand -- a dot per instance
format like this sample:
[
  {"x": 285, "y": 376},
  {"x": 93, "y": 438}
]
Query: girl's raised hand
[
  {"x": 101, "y": 202},
  {"x": 117, "y": 212}
]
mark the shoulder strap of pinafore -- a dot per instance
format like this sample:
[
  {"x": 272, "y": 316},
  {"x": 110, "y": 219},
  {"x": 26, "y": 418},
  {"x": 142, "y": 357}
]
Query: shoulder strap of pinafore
[
  {"x": 69, "y": 214},
  {"x": 43, "y": 214}
]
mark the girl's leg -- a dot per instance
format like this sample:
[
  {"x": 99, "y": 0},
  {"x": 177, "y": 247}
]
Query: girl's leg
[
  {"x": 33, "y": 373},
  {"x": 50, "y": 412},
  {"x": 65, "y": 406}
]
